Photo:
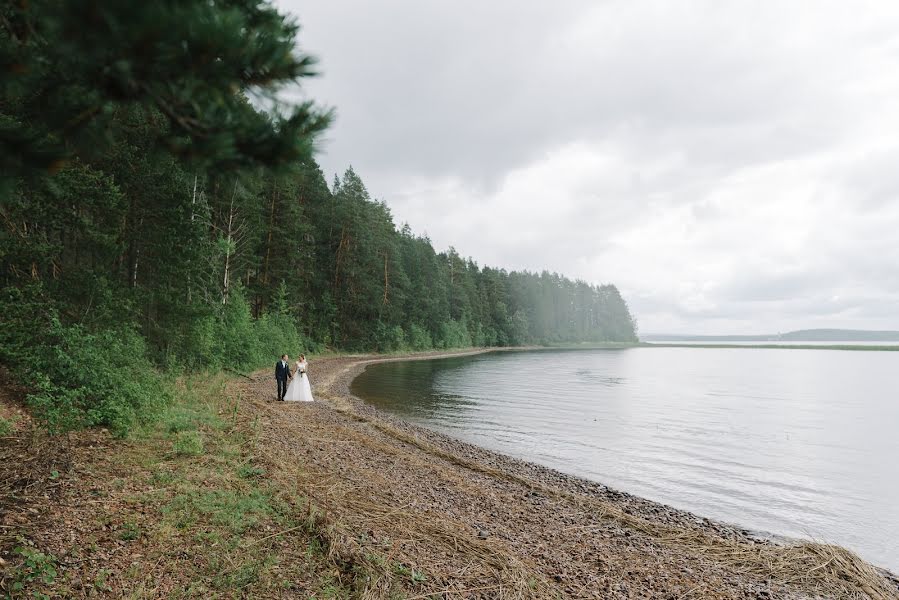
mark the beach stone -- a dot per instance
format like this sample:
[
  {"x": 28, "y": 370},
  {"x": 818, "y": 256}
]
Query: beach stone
[{"x": 483, "y": 534}]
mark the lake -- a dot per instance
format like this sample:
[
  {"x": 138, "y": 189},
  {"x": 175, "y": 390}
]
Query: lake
[{"x": 800, "y": 443}]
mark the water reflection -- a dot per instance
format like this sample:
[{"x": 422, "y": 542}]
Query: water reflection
[
  {"x": 410, "y": 388},
  {"x": 795, "y": 442}
]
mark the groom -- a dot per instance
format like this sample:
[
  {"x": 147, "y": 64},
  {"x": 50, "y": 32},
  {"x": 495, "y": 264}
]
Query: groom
[{"x": 282, "y": 374}]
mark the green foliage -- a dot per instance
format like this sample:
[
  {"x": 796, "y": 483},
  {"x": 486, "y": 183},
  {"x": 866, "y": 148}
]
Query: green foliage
[
  {"x": 454, "y": 334},
  {"x": 181, "y": 416},
  {"x": 248, "y": 471},
  {"x": 278, "y": 334},
  {"x": 520, "y": 329},
  {"x": 419, "y": 338},
  {"x": 36, "y": 568},
  {"x": 236, "y": 510},
  {"x": 410, "y": 573},
  {"x": 188, "y": 443},
  {"x": 93, "y": 379},
  {"x": 235, "y": 335},
  {"x": 69, "y": 71},
  {"x": 234, "y": 338},
  {"x": 390, "y": 339},
  {"x": 245, "y": 342},
  {"x": 130, "y": 532},
  {"x": 25, "y": 319},
  {"x": 6, "y": 427},
  {"x": 243, "y": 576}
]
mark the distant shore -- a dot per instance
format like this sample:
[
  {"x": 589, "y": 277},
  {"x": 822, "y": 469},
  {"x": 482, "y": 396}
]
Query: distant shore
[{"x": 864, "y": 346}]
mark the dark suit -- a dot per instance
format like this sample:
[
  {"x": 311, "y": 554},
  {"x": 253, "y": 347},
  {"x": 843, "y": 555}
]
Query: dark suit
[{"x": 282, "y": 372}]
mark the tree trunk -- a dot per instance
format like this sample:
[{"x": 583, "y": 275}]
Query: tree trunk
[
  {"x": 268, "y": 242},
  {"x": 386, "y": 301},
  {"x": 341, "y": 255},
  {"x": 134, "y": 255},
  {"x": 229, "y": 239},
  {"x": 193, "y": 215}
]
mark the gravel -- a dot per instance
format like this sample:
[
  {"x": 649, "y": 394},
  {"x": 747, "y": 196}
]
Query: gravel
[{"x": 554, "y": 524}]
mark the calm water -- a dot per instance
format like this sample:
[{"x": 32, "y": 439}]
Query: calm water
[{"x": 793, "y": 442}]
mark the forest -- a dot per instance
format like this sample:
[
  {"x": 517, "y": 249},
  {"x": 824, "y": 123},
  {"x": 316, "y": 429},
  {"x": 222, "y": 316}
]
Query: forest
[{"x": 156, "y": 220}]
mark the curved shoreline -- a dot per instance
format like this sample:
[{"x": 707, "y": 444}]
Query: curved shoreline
[
  {"x": 587, "y": 539},
  {"x": 341, "y": 387}
]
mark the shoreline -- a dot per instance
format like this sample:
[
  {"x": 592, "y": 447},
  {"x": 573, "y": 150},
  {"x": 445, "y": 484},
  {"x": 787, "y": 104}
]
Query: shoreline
[
  {"x": 514, "y": 463},
  {"x": 340, "y": 387},
  {"x": 631, "y": 529}
]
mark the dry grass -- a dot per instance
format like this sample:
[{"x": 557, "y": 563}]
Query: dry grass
[
  {"x": 821, "y": 570},
  {"x": 421, "y": 554}
]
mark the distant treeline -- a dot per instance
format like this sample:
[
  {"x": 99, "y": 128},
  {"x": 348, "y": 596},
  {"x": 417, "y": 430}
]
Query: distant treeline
[{"x": 153, "y": 220}]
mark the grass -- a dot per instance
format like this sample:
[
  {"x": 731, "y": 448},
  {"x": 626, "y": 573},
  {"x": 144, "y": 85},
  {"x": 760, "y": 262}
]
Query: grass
[
  {"x": 188, "y": 443},
  {"x": 248, "y": 471},
  {"x": 218, "y": 503},
  {"x": 183, "y": 509},
  {"x": 180, "y": 418},
  {"x": 234, "y": 510}
]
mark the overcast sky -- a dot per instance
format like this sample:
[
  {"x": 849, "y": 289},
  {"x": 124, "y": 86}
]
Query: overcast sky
[{"x": 733, "y": 167}]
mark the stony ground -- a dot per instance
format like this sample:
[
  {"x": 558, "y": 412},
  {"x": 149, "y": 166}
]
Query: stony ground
[
  {"x": 467, "y": 518},
  {"x": 235, "y": 495}
]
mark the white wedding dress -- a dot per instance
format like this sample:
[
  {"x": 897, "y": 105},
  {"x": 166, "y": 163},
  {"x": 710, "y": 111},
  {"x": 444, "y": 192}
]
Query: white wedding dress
[{"x": 299, "y": 389}]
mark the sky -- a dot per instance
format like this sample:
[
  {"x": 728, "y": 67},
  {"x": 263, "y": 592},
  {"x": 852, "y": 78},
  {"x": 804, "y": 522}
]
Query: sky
[{"x": 733, "y": 167}]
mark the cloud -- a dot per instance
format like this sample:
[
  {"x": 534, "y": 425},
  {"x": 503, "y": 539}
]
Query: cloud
[{"x": 729, "y": 165}]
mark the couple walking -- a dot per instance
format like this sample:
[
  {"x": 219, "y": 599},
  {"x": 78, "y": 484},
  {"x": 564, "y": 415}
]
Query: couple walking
[{"x": 299, "y": 389}]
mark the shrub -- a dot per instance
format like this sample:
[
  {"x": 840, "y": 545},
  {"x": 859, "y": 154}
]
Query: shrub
[
  {"x": 94, "y": 379},
  {"x": 198, "y": 347},
  {"x": 520, "y": 329},
  {"x": 78, "y": 377},
  {"x": 242, "y": 342},
  {"x": 24, "y": 320},
  {"x": 454, "y": 334},
  {"x": 275, "y": 335},
  {"x": 419, "y": 338},
  {"x": 390, "y": 339},
  {"x": 236, "y": 340},
  {"x": 397, "y": 338},
  {"x": 479, "y": 337}
]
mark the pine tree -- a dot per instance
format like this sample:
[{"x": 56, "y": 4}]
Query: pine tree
[{"x": 69, "y": 68}]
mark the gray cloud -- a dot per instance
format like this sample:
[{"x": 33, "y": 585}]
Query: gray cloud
[{"x": 729, "y": 165}]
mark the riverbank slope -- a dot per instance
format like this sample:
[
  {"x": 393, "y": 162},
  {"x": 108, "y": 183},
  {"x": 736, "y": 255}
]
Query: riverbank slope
[
  {"x": 472, "y": 518},
  {"x": 235, "y": 495}
]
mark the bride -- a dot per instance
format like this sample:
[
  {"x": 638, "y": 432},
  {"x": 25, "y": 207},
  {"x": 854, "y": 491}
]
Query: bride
[{"x": 299, "y": 389}]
